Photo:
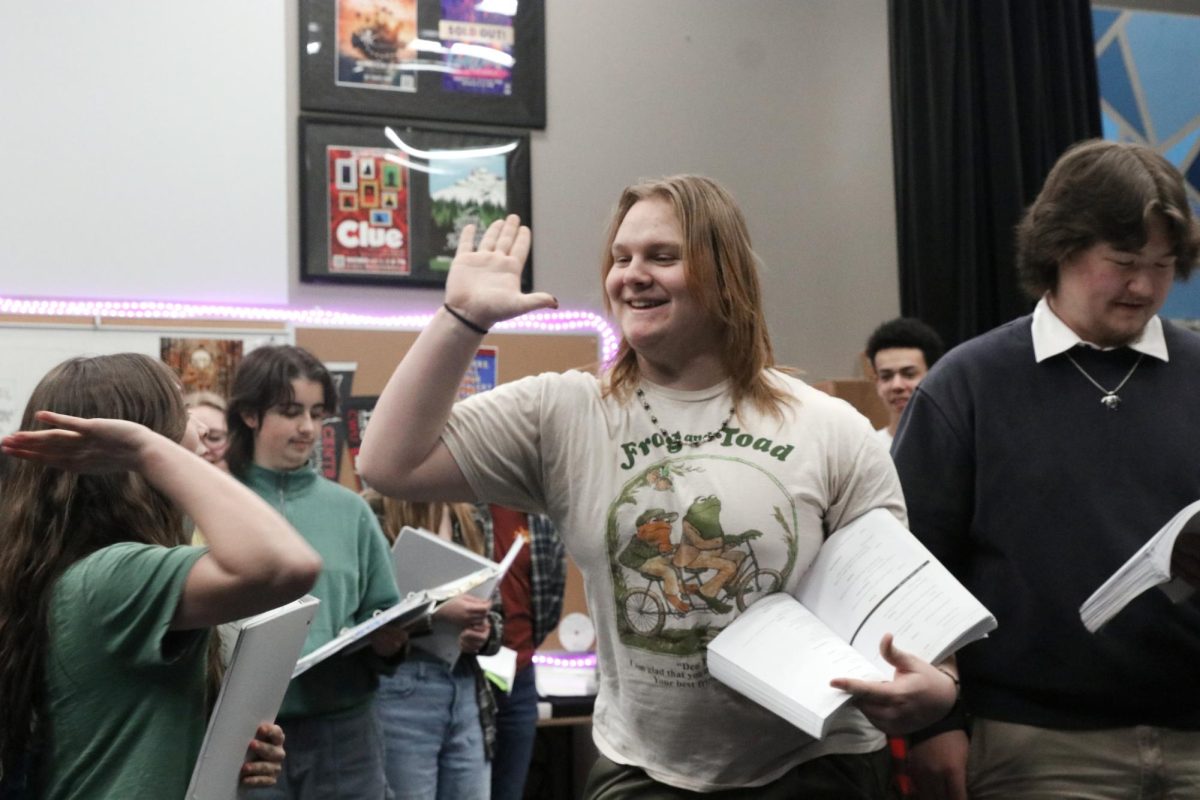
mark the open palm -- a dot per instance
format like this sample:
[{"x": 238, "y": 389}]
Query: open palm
[
  {"x": 80, "y": 445},
  {"x": 484, "y": 283}
]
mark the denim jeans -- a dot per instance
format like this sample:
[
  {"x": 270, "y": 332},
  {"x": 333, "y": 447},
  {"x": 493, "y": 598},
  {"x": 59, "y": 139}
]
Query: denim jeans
[
  {"x": 516, "y": 728},
  {"x": 338, "y": 758},
  {"x": 432, "y": 739}
]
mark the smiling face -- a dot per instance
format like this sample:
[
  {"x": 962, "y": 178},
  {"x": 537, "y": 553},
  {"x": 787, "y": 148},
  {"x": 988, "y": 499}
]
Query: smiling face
[
  {"x": 285, "y": 436},
  {"x": 1106, "y": 296},
  {"x": 898, "y": 370},
  {"x": 674, "y": 336}
]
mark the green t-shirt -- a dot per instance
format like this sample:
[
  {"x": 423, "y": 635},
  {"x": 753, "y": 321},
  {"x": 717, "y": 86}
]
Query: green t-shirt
[{"x": 125, "y": 700}]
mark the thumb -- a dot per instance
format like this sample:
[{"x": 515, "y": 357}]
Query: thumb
[
  {"x": 902, "y": 660},
  {"x": 535, "y": 301}
]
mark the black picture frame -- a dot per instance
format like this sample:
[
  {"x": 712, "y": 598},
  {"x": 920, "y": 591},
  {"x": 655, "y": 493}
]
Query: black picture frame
[
  {"x": 371, "y": 57},
  {"x": 442, "y": 176}
]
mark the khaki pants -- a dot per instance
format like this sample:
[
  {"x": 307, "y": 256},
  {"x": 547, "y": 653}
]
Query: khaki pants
[{"x": 1008, "y": 761}]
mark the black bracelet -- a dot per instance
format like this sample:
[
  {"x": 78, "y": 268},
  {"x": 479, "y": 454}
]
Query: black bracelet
[
  {"x": 957, "y": 685},
  {"x": 465, "y": 321}
]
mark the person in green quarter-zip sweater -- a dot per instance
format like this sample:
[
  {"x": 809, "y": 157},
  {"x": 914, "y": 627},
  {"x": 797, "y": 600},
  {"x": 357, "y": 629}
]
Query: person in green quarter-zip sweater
[{"x": 280, "y": 397}]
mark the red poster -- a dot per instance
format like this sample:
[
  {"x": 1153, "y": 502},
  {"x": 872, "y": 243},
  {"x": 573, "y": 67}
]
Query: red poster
[{"x": 368, "y": 212}]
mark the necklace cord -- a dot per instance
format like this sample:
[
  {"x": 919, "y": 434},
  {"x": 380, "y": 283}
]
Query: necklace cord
[
  {"x": 708, "y": 437},
  {"x": 1119, "y": 386},
  {"x": 1110, "y": 399}
]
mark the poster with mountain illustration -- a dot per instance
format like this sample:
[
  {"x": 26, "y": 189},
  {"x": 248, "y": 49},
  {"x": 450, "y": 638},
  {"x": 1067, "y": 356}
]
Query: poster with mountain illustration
[
  {"x": 470, "y": 191},
  {"x": 385, "y": 203}
]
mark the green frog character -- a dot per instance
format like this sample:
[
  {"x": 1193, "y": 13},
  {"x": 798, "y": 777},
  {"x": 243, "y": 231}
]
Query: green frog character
[{"x": 706, "y": 546}]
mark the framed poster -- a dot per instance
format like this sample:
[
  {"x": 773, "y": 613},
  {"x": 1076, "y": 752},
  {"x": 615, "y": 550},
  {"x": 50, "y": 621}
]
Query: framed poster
[
  {"x": 384, "y": 203},
  {"x": 203, "y": 365},
  {"x": 481, "y": 373},
  {"x": 481, "y": 61}
]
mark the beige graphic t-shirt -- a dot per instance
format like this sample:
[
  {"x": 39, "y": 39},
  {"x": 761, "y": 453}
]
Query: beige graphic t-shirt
[{"x": 674, "y": 541}]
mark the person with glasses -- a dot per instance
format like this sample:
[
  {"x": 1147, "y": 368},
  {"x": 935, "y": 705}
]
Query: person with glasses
[{"x": 209, "y": 408}]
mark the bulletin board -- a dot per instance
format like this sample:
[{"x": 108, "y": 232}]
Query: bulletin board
[
  {"x": 30, "y": 346},
  {"x": 377, "y": 353}
]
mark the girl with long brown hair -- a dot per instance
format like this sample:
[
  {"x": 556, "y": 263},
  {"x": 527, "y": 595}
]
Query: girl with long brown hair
[{"x": 105, "y": 610}]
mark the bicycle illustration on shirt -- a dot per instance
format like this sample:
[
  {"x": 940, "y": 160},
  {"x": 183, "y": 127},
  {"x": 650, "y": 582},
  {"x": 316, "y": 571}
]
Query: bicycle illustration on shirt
[{"x": 706, "y": 570}]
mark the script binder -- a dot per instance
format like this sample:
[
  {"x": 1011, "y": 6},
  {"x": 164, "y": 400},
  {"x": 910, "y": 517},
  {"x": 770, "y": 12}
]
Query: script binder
[
  {"x": 252, "y": 690},
  {"x": 406, "y": 612},
  {"x": 425, "y": 562},
  {"x": 1150, "y": 566},
  {"x": 871, "y": 577}
]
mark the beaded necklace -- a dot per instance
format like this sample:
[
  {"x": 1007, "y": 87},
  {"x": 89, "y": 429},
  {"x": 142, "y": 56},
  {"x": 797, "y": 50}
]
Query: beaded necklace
[{"x": 708, "y": 437}]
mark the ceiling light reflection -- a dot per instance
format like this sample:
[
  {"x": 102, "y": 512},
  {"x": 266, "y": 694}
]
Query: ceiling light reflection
[{"x": 450, "y": 155}]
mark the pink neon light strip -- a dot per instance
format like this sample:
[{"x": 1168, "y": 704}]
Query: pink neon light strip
[
  {"x": 570, "y": 662},
  {"x": 537, "y": 321}
]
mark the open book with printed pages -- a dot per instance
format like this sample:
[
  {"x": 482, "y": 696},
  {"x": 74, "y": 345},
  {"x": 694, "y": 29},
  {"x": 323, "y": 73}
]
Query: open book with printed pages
[
  {"x": 426, "y": 563},
  {"x": 1148, "y": 567},
  {"x": 871, "y": 577},
  {"x": 263, "y": 652}
]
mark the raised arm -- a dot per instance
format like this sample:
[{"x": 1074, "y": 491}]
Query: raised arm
[
  {"x": 402, "y": 454},
  {"x": 255, "y": 560}
]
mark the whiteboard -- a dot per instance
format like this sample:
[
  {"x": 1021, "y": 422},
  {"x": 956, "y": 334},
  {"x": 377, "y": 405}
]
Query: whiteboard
[{"x": 29, "y": 350}]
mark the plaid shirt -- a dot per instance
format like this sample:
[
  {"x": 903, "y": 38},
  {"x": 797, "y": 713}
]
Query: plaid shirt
[{"x": 547, "y": 567}]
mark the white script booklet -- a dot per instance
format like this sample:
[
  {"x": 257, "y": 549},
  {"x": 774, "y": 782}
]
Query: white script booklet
[
  {"x": 1148, "y": 567},
  {"x": 871, "y": 577},
  {"x": 256, "y": 678},
  {"x": 409, "y": 610},
  {"x": 427, "y": 564}
]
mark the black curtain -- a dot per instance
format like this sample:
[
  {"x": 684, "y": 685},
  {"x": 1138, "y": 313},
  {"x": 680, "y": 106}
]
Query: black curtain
[{"x": 986, "y": 95}]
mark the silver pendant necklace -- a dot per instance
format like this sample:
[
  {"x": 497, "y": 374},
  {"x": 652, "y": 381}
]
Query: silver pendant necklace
[
  {"x": 1110, "y": 399},
  {"x": 708, "y": 437}
]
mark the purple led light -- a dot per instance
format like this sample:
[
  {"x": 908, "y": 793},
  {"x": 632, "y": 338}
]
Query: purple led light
[
  {"x": 587, "y": 661},
  {"x": 537, "y": 321}
]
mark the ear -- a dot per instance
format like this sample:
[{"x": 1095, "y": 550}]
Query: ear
[{"x": 250, "y": 420}]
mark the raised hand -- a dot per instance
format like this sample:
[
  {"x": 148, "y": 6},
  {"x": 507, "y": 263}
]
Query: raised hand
[
  {"x": 919, "y": 694},
  {"x": 484, "y": 283},
  {"x": 82, "y": 445}
]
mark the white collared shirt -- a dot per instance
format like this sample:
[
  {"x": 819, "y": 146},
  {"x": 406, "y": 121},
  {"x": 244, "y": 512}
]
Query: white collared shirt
[{"x": 1052, "y": 336}]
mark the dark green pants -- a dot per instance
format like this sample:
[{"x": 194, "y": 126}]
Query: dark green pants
[{"x": 836, "y": 777}]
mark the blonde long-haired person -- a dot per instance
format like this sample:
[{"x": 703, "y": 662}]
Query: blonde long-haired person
[
  {"x": 692, "y": 472},
  {"x": 210, "y": 410},
  {"x": 438, "y": 722},
  {"x": 104, "y": 610}
]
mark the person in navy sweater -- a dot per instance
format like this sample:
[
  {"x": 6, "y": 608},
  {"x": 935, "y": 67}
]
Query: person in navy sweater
[{"x": 1035, "y": 460}]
